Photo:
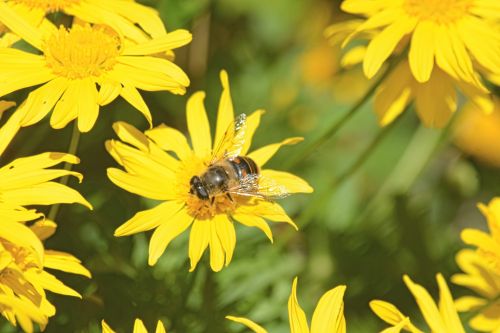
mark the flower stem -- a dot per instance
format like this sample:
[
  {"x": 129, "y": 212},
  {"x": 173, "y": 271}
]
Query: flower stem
[
  {"x": 337, "y": 125},
  {"x": 335, "y": 184},
  {"x": 73, "y": 147}
]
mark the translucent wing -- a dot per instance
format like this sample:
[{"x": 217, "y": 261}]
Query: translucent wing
[
  {"x": 256, "y": 185},
  {"x": 232, "y": 141}
]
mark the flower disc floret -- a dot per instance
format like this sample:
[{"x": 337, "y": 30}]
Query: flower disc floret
[
  {"x": 438, "y": 11},
  {"x": 83, "y": 51},
  {"x": 47, "y": 5}
]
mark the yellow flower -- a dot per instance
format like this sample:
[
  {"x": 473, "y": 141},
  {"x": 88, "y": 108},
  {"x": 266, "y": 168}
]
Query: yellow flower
[
  {"x": 132, "y": 20},
  {"x": 441, "y": 318},
  {"x": 328, "y": 317},
  {"x": 435, "y": 99},
  {"x": 153, "y": 172},
  {"x": 138, "y": 327},
  {"x": 455, "y": 34},
  {"x": 480, "y": 277},
  {"x": 75, "y": 60},
  {"x": 488, "y": 245},
  {"x": 483, "y": 144}
]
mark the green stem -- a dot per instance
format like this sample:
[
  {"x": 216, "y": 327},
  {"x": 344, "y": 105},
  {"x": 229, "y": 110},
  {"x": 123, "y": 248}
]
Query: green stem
[
  {"x": 337, "y": 125},
  {"x": 330, "y": 189},
  {"x": 73, "y": 147}
]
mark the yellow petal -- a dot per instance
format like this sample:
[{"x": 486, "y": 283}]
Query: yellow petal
[
  {"x": 427, "y": 306},
  {"x": 398, "y": 327},
  {"x": 17, "y": 24},
  {"x": 40, "y": 161},
  {"x": 149, "y": 219},
  {"x": 292, "y": 183},
  {"x": 199, "y": 238},
  {"x": 66, "y": 108},
  {"x": 254, "y": 221},
  {"x": 225, "y": 113},
  {"x": 44, "y": 228},
  {"x": 252, "y": 123},
  {"x": 227, "y": 235},
  {"x": 50, "y": 282},
  {"x": 435, "y": 100},
  {"x": 264, "y": 154},
  {"x": 296, "y": 316},
  {"x": 106, "y": 328},
  {"x": 216, "y": 249},
  {"x": 15, "y": 179},
  {"x": 139, "y": 327},
  {"x": 88, "y": 108},
  {"x": 42, "y": 100},
  {"x": 269, "y": 210},
  {"x": 447, "y": 307},
  {"x": 131, "y": 95},
  {"x": 198, "y": 125},
  {"x": 108, "y": 92},
  {"x": 329, "y": 313},
  {"x": 160, "y": 328},
  {"x": 157, "y": 65},
  {"x": 391, "y": 315},
  {"x": 170, "y": 139},
  {"x": 470, "y": 303},
  {"x": 166, "y": 232},
  {"x": 10, "y": 129},
  {"x": 169, "y": 41},
  {"x": 393, "y": 95},
  {"x": 48, "y": 193},
  {"x": 65, "y": 262},
  {"x": 421, "y": 54},
  {"x": 18, "y": 233},
  {"x": 353, "y": 57},
  {"x": 248, "y": 323},
  {"x": 142, "y": 186},
  {"x": 131, "y": 135},
  {"x": 382, "y": 46}
]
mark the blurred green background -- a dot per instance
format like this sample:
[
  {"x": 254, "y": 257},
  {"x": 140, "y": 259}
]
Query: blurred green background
[{"x": 400, "y": 212}]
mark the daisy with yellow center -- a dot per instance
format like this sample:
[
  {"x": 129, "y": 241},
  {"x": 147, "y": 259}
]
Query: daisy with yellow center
[
  {"x": 23, "y": 267},
  {"x": 435, "y": 100},
  {"x": 152, "y": 171},
  {"x": 328, "y": 317},
  {"x": 440, "y": 317},
  {"x": 456, "y": 35},
  {"x": 488, "y": 244},
  {"x": 74, "y": 61},
  {"x": 480, "y": 277},
  {"x": 129, "y": 18},
  {"x": 138, "y": 327}
]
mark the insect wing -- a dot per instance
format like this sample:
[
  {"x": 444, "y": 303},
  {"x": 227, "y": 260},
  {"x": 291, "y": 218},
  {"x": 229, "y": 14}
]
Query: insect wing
[
  {"x": 232, "y": 141},
  {"x": 256, "y": 185}
]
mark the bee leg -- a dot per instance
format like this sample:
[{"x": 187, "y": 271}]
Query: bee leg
[
  {"x": 212, "y": 200},
  {"x": 229, "y": 197}
]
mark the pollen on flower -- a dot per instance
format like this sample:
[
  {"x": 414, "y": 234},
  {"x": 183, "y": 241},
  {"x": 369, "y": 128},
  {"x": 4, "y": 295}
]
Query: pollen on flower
[
  {"x": 22, "y": 257},
  {"x": 47, "y": 5},
  {"x": 439, "y": 11},
  {"x": 82, "y": 51},
  {"x": 206, "y": 209}
]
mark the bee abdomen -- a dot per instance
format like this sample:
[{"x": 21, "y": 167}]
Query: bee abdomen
[{"x": 244, "y": 166}]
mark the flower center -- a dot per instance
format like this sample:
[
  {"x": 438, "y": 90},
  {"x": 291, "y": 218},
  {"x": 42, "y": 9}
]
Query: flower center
[
  {"x": 22, "y": 257},
  {"x": 47, "y": 5},
  {"x": 439, "y": 11},
  {"x": 82, "y": 51},
  {"x": 206, "y": 209}
]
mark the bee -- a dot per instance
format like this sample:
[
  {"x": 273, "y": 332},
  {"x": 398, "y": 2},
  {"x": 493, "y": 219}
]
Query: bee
[{"x": 230, "y": 174}]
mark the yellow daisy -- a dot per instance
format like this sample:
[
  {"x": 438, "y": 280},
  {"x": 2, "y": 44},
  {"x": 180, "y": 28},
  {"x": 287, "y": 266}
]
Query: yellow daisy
[
  {"x": 75, "y": 60},
  {"x": 488, "y": 245},
  {"x": 435, "y": 100},
  {"x": 24, "y": 263},
  {"x": 138, "y": 327},
  {"x": 153, "y": 172},
  {"x": 480, "y": 277},
  {"x": 132, "y": 20},
  {"x": 457, "y": 35},
  {"x": 328, "y": 317},
  {"x": 483, "y": 144},
  {"x": 440, "y": 317}
]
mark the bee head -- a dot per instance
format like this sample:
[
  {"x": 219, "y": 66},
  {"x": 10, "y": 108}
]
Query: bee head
[{"x": 197, "y": 188}]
